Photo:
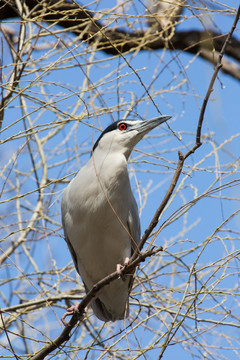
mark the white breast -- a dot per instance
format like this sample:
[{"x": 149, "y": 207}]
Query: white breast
[{"x": 95, "y": 218}]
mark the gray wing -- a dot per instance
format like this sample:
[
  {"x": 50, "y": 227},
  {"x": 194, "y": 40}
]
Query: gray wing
[
  {"x": 73, "y": 254},
  {"x": 135, "y": 231},
  {"x": 133, "y": 224}
]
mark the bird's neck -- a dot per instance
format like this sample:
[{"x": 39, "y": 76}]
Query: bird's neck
[{"x": 110, "y": 167}]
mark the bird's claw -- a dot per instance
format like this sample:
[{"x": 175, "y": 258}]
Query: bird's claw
[
  {"x": 120, "y": 269},
  {"x": 70, "y": 311}
]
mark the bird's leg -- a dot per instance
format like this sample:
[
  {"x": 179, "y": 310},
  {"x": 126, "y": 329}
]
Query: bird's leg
[
  {"x": 70, "y": 311},
  {"x": 126, "y": 261},
  {"x": 121, "y": 267}
]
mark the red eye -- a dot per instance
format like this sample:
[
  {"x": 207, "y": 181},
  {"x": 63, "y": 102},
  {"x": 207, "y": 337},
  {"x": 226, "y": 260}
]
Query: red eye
[{"x": 122, "y": 126}]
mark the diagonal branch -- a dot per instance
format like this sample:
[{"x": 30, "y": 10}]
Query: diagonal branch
[{"x": 65, "y": 335}]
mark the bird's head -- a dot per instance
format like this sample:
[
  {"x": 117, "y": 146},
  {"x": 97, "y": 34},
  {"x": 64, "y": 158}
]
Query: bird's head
[{"x": 121, "y": 136}]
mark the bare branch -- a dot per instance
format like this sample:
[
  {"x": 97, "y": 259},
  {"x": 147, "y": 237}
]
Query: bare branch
[
  {"x": 65, "y": 335},
  {"x": 79, "y": 21}
]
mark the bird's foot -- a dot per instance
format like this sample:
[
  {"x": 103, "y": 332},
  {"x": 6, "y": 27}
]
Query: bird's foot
[
  {"x": 70, "y": 311},
  {"x": 121, "y": 267}
]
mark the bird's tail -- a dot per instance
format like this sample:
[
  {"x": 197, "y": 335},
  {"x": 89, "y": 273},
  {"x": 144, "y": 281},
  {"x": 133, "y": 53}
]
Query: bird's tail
[
  {"x": 103, "y": 314},
  {"x": 116, "y": 310}
]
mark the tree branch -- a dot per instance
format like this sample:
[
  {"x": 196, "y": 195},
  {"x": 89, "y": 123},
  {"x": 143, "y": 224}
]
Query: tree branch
[
  {"x": 79, "y": 21},
  {"x": 65, "y": 335}
]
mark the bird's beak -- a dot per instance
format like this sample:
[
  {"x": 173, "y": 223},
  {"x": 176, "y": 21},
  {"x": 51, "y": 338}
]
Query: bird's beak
[{"x": 147, "y": 125}]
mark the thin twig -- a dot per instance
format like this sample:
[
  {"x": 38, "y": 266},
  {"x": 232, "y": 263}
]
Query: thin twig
[{"x": 8, "y": 339}]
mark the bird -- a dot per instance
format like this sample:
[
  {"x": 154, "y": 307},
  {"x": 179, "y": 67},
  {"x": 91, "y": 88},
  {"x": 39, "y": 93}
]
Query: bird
[{"x": 100, "y": 216}]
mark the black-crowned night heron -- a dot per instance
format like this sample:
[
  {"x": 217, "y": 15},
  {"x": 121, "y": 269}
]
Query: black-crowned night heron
[{"x": 100, "y": 215}]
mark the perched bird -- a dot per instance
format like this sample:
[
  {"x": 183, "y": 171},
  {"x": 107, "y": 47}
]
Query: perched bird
[{"x": 100, "y": 215}]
